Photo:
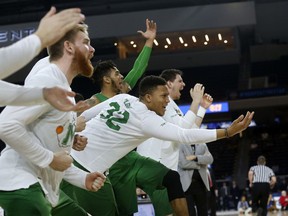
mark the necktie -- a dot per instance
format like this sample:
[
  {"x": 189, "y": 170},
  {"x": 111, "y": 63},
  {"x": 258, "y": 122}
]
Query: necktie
[{"x": 210, "y": 180}]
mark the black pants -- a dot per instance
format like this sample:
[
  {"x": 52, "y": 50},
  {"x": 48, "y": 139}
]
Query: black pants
[
  {"x": 260, "y": 194},
  {"x": 212, "y": 201},
  {"x": 196, "y": 196}
]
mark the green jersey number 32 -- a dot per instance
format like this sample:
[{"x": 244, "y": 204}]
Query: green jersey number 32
[{"x": 114, "y": 116}]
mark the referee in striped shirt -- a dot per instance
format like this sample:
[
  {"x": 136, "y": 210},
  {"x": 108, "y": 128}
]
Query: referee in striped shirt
[{"x": 261, "y": 179}]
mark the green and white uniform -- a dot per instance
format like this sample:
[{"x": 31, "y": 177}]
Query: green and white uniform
[
  {"x": 166, "y": 152},
  {"x": 103, "y": 202},
  {"x": 129, "y": 172},
  {"x": 122, "y": 124},
  {"x": 32, "y": 134},
  {"x": 119, "y": 124}
]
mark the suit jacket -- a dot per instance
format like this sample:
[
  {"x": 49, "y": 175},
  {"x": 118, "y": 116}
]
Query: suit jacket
[{"x": 187, "y": 167}]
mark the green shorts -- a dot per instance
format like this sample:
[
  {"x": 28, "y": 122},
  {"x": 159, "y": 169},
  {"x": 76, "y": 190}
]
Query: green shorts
[
  {"x": 134, "y": 170},
  {"x": 100, "y": 203},
  {"x": 32, "y": 202}
]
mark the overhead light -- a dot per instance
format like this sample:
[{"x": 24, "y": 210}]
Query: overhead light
[
  {"x": 115, "y": 44},
  {"x": 190, "y": 40},
  {"x": 219, "y": 36},
  {"x": 194, "y": 39},
  {"x": 168, "y": 41},
  {"x": 156, "y": 42}
]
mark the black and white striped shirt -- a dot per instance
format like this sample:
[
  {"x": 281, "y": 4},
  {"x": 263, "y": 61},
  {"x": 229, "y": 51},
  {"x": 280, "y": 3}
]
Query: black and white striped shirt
[{"x": 262, "y": 173}]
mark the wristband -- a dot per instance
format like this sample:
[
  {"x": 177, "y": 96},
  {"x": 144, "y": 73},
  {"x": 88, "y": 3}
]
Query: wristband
[{"x": 201, "y": 112}]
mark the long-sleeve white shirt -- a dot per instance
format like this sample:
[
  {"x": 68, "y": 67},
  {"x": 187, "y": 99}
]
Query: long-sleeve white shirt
[
  {"x": 12, "y": 59},
  {"x": 17, "y": 55},
  {"x": 167, "y": 152},
  {"x": 32, "y": 134},
  {"x": 15, "y": 95},
  {"x": 119, "y": 124}
]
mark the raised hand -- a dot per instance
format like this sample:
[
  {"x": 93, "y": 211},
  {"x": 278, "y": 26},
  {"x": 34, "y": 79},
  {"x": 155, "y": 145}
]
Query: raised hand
[
  {"x": 53, "y": 26},
  {"x": 206, "y": 101},
  {"x": 197, "y": 92},
  {"x": 150, "y": 33},
  {"x": 240, "y": 124},
  {"x": 59, "y": 99}
]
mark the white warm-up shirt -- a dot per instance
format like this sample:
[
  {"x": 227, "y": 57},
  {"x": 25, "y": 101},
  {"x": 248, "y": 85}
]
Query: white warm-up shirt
[
  {"x": 167, "y": 152},
  {"x": 15, "y": 95},
  {"x": 17, "y": 55},
  {"x": 13, "y": 58},
  {"x": 119, "y": 124},
  {"x": 32, "y": 134}
]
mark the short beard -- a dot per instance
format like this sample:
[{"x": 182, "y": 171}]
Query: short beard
[
  {"x": 114, "y": 87},
  {"x": 83, "y": 64}
]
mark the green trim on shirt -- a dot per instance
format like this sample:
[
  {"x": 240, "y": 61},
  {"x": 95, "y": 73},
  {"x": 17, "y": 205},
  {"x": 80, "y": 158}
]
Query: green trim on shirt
[
  {"x": 139, "y": 67},
  {"x": 101, "y": 97}
]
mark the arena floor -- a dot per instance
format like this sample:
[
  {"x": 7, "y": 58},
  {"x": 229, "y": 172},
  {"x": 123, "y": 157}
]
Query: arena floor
[
  {"x": 235, "y": 213},
  {"x": 226, "y": 213}
]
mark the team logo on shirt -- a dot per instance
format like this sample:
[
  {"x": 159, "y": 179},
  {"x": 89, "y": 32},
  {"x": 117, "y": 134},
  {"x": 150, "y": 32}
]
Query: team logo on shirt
[
  {"x": 64, "y": 140},
  {"x": 127, "y": 103},
  {"x": 178, "y": 112}
]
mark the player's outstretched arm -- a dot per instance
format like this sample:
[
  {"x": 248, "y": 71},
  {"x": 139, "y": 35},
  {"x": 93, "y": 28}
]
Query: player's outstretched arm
[
  {"x": 237, "y": 126},
  {"x": 59, "y": 98}
]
